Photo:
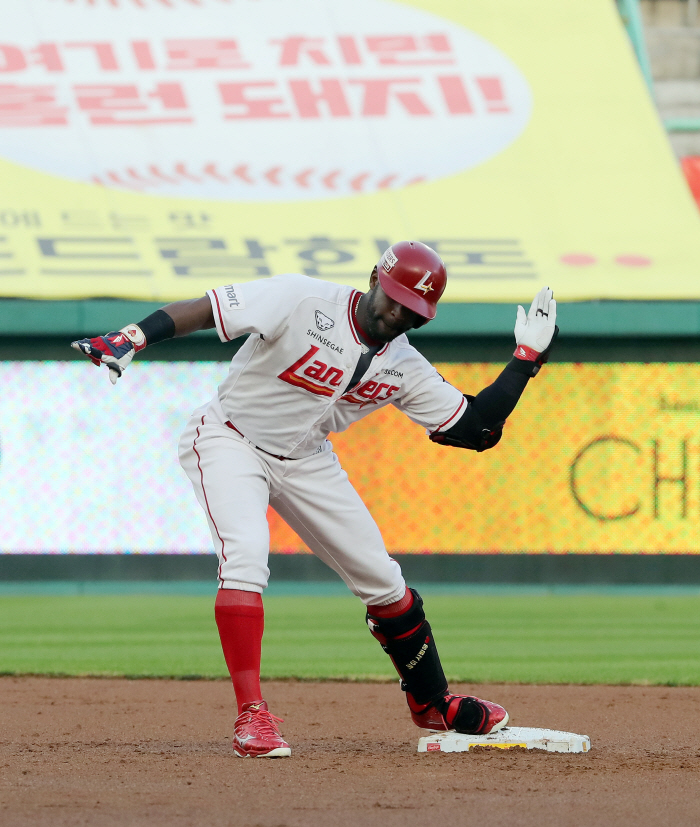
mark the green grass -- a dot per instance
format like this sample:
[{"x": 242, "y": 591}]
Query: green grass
[{"x": 547, "y": 638}]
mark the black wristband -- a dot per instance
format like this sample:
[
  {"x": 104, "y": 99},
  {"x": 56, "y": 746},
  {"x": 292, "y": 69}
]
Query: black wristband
[
  {"x": 157, "y": 327},
  {"x": 523, "y": 366}
]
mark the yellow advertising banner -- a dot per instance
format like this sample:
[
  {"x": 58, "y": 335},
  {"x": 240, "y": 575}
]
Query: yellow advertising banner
[
  {"x": 153, "y": 149},
  {"x": 597, "y": 458}
]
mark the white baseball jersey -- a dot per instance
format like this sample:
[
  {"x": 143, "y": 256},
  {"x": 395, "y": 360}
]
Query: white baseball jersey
[{"x": 286, "y": 389}]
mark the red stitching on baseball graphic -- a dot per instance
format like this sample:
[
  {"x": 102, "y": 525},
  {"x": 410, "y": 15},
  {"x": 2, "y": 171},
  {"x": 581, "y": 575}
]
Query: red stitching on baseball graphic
[
  {"x": 211, "y": 170},
  {"x": 154, "y": 176},
  {"x": 242, "y": 173},
  {"x": 329, "y": 180},
  {"x": 158, "y": 174},
  {"x": 272, "y": 175},
  {"x": 137, "y": 177},
  {"x": 359, "y": 182},
  {"x": 144, "y": 4},
  {"x": 303, "y": 178},
  {"x": 114, "y": 176},
  {"x": 182, "y": 170}
]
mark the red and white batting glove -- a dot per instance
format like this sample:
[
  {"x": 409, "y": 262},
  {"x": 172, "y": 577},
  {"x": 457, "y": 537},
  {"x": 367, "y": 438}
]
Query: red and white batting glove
[
  {"x": 115, "y": 349},
  {"x": 536, "y": 332}
]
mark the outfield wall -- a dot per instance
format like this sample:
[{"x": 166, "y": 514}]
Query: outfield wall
[
  {"x": 481, "y": 569},
  {"x": 599, "y": 459},
  {"x": 644, "y": 344}
]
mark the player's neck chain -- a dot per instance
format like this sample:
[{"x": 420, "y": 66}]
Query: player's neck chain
[{"x": 366, "y": 340}]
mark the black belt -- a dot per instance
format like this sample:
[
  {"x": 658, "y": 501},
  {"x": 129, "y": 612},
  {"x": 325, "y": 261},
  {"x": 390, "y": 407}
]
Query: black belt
[{"x": 276, "y": 456}]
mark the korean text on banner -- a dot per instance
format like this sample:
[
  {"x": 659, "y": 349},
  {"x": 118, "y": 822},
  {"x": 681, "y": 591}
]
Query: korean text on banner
[{"x": 152, "y": 150}]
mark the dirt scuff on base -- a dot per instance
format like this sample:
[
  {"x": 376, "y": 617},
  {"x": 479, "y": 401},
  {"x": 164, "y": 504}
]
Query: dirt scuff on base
[{"x": 111, "y": 753}]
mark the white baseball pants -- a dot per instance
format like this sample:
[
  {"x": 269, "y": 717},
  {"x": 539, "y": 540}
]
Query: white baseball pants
[{"x": 234, "y": 482}]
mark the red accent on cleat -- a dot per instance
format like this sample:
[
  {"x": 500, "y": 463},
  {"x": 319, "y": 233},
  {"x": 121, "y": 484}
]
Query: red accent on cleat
[
  {"x": 256, "y": 734},
  {"x": 427, "y": 716}
]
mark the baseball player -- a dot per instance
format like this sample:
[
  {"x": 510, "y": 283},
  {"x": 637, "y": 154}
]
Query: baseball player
[{"x": 318, "y": 357}]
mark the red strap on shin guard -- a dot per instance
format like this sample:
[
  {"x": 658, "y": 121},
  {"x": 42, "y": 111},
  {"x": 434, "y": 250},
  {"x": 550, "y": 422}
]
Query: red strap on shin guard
[{"x": 393, "y": 609}]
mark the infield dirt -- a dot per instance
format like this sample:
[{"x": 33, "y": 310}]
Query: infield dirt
[{"x": 109, "y": 752}]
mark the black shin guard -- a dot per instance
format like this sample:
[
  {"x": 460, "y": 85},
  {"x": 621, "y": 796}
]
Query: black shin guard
[{"x": 409, "y": 642}]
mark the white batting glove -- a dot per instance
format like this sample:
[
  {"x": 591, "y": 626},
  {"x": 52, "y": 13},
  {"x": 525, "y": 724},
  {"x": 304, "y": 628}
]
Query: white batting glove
[
  {"x": 116, "y": 349},
  {"x": 536, "y": 332}
]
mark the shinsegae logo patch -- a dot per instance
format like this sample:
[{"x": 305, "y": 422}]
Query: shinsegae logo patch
[{"x": 323, "y": 322}]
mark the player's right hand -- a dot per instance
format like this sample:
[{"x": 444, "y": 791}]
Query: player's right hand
[{"x": 115, "y": 350}]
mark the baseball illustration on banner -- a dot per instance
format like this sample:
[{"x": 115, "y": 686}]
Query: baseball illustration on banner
[{"x": 252, "y": 101}]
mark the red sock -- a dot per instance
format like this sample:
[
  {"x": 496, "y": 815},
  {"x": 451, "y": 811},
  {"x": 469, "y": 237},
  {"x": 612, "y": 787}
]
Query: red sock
[{"x": 240, "y": 618}]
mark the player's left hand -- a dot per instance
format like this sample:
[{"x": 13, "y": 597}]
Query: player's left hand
[
  {"x": 115, "y": 350},
  {"x": 536, "y": 332}
]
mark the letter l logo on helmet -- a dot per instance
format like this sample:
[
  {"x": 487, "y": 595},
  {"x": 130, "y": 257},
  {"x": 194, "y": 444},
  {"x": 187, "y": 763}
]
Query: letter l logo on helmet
[{"x": 424, "y": 284}]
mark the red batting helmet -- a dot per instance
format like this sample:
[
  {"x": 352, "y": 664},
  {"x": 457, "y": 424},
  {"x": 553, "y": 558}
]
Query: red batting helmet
[{"x": 413, "y": 274}]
